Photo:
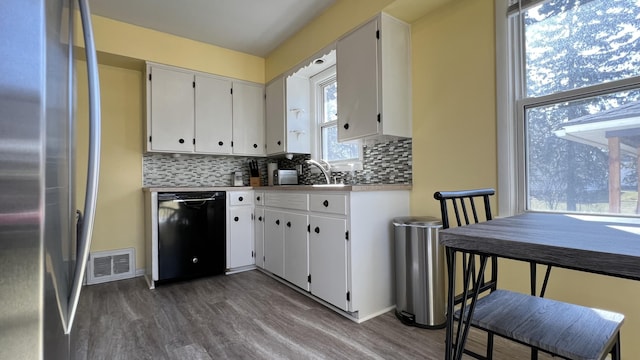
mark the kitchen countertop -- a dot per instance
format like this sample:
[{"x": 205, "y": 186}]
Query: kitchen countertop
[
  {"x": 357, "y": 187},
  {"x": 361, "y": 187}
]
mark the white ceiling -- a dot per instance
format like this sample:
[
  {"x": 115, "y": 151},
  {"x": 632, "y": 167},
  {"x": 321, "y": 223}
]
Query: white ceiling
[{"x": 250, "y": 26}]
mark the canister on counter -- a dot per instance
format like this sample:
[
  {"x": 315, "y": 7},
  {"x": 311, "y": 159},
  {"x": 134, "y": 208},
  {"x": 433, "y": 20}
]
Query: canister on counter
[{"x": 237, "y": 178}]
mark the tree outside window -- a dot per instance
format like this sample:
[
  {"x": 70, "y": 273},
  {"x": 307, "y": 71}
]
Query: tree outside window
[{"x": 580, "y": 86}]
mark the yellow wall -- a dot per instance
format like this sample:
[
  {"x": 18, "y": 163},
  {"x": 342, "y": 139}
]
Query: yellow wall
[
  {"x": 454, "y": 126},
  {"x": 119, "y": 214},
  {"x": 337, "y": 20},
  {"x": 454, "y": 144},
  {"x": 121, "y": 39}
]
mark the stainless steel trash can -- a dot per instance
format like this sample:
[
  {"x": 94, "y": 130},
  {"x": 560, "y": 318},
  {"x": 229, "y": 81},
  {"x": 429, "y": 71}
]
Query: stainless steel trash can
[{"x": 420, "y": 266}]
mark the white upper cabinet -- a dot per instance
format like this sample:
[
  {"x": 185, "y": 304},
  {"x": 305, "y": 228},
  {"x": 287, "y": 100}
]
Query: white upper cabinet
[
  {"x": 287, "y": 109},
  {"x": 170, "y": 127},
  {"x": 298, "y": 109},
  {"x": 374, "y": 80},
  {"x": 276, "y": 122},
  {"x": 248, "y": 119},
  {"x": 192, "y": 112},
  {"x": 213, "y": 115}
]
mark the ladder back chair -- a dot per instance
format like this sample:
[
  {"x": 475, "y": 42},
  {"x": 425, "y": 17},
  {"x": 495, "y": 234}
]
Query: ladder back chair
[{"x": 465, "y": 210}]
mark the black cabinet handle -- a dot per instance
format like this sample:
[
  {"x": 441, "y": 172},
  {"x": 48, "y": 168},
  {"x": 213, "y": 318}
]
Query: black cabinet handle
[
  {"x": 240, "y": 198},
  {"x": 325, "y": 203},
  {"x": 288, "y": 223},
  {"x": 258, "y": 198},
  {"x": 346, "y": 126},
  {"x": 277, "y": 222},
  {"x": 236, "y": 218},
  {"x": 317, "y": 230},
  {"x": 279, "y": 142},
  {"x": 220, "y": 143},
  {"x": 181, "y": 141},
  {"x": 255, "y": 146},
  {"x": 259, "y": 218}
]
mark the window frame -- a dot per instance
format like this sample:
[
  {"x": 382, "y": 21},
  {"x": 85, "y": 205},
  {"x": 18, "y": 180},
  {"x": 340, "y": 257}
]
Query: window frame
[
  {"x": 511, "y": 105},
  {"x": 317, "y": 83}
]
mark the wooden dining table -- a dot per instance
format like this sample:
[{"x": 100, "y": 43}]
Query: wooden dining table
[{"x": 596, "y": 244}]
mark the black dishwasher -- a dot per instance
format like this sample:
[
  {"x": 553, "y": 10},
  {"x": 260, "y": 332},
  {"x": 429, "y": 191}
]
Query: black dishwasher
[{"x": 191, "y": 234}]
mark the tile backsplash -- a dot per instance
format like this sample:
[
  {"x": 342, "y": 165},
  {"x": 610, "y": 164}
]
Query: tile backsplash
[{"x": 388, "y": 162}]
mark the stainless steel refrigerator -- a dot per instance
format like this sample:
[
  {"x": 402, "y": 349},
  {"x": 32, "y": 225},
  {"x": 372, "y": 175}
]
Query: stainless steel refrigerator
[{"x": 44, "y": 245}]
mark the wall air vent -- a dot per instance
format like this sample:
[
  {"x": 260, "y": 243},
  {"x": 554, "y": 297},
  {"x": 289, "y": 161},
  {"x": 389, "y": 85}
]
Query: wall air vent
[{"x": 104, "y": 266}]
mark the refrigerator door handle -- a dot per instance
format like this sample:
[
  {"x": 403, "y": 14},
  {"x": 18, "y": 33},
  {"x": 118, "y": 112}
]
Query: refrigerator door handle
[{"x": 93, "y": 171}]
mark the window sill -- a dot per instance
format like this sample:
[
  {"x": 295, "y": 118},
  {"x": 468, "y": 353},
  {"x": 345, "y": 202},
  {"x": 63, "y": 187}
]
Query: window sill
[{"x": 340, "y": 166}]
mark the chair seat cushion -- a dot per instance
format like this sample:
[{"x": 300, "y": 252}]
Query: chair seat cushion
[{"x": 569, "y": 330}]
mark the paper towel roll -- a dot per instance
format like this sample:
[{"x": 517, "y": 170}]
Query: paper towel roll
[{"x": 271, "y": 167}]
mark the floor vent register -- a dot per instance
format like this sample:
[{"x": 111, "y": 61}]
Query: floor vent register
[{"x": 104, "y": 266}]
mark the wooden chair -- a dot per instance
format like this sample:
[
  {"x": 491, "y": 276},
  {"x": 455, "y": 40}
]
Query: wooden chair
[{"x": 561, "y": 329}]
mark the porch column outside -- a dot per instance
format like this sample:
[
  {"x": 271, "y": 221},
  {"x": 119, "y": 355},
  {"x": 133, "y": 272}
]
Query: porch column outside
[
  {"x": 638, "y": 172},
  {"x": 614, "y": 175}
]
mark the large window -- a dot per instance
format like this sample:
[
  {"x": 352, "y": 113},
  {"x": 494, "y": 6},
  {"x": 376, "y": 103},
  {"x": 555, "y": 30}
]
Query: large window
[
  {"x": 338, "y": 154},
  {"x": 573, "y": 94}
]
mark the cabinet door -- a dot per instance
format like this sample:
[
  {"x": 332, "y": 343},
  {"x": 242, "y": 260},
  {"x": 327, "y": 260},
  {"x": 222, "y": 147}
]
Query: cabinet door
[
  {"x": 240, "y": 237},
  {"x": 275, "y": 117},
  {"x": 298, "y": 131},
  {"x": 357, "y": 75},
  {"x": 213, "y": 115},
  {"x": 296, "y": 251},
  {"x": 172, "y": 113},
  {"x": 248, "y": 119},
  {"x": 258, "y": 226},
  {"x": 274, "y": 242},
  {"x": 328, "y": 259}
]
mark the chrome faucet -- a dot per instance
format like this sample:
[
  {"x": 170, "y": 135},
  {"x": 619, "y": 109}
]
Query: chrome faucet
[{"x": 325, "y": 172}]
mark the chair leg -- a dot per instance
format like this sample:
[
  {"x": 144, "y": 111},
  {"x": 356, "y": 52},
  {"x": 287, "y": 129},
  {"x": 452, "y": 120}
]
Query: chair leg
[
  {"x": 489, "y": 346},
  {"x": 546, "y": 280},
  {"x": 615, "y": 351}
]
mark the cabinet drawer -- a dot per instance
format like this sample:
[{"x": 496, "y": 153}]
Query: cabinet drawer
[
  {"x": 328, "y": 203},
  {"x": 258, "y": 198},
  {"x": 297, "y": 201},
  {"x": 240, "y": 198}
]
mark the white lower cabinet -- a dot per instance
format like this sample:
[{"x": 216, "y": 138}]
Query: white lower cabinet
[
  {"x": 346, "y": 249},
  {"x": 240, "y": 233},
  {"x": 328, "y": 259},
  {"x": 258, "y": 230},
  {"x": 296, "y": 249},
  {"x": 274, "y": 242},
  {"x": 286, "y": 246}
]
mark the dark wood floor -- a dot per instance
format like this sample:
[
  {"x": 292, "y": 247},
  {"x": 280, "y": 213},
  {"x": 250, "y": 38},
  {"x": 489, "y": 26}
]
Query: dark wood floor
[{"x": 242, "y": 316}]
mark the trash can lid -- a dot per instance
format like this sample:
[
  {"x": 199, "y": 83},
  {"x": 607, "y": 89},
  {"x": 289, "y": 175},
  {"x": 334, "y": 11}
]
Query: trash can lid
[{"x": 417, "y": 221}]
